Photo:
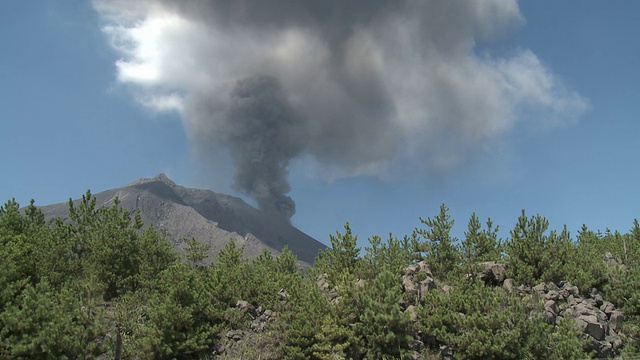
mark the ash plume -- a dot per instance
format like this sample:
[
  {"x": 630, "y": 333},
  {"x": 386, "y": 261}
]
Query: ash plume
[
  {"x": 261, "y": 135},
  {"x": 362, "y": 87}
]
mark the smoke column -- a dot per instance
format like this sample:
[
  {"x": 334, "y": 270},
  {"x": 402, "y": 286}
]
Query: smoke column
[
  {"x": 360, "y": 87},
  {"x": 260, "y": 135}
]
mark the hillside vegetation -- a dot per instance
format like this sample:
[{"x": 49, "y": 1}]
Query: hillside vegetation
[{"x": 100, "y": 287}]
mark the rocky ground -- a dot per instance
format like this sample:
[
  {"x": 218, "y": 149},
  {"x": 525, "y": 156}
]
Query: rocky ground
[{"x": 597, "y": 319}]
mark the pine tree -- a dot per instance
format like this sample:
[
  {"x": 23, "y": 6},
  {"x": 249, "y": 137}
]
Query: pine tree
[
  {"x": 395, "y": 254},
  {"x": 480, "y": 244},
  {"x": 437, "y": 247},
  {"x": 300, "y": 325},
  {"x": 384, "y": 328},
  {"x": 43, "y": 323},
  {"x": 180, "y": 321},
  {"x": 526, "y": 249},
  {"x": 342, "y": 258},
  {"x": 196, "y": 251}
]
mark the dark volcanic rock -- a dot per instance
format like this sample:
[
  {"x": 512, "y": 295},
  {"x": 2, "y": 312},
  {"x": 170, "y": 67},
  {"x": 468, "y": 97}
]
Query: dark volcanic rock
[
  {"x": 492, "y": 272},
  {"x": 597, "y": 319},
  {"x": 417, "y": 280},
  {"x": 210, "y": 217}
]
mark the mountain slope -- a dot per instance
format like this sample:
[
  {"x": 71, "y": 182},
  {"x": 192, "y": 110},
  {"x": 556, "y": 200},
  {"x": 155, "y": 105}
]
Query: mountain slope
[{"x": 210, "y": 217}]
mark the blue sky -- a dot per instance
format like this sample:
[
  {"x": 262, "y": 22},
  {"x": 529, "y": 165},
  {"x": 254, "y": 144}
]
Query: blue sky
[{"x": 69, "y": 124}]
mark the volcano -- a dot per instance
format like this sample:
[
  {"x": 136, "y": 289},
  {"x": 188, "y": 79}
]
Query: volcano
[{"x": 210, "y": 217}]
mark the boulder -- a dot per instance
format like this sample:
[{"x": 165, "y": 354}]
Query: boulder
[
  {"x": 595, "y": 295},
  {"x": 447, "y": 289},
  {"x": 584, "y": 309},
  {"x": 424, "y": 268},
  {"x": 614, "y": 340},
  {"x": 596, "y": 330},
  {"x": 571, "y": 289},
  {"x": 418, "y": 267},
  {"x": 412, "y": 283},
  {"x": 508, "y": 285},
  {"x": 589, "y": 325},
  {"x": 607, "y": 308},
  {"x": 246, "y": 306},
  {"x": 549, "y": 316},
  {"x": 564, "y": 293},
  {"x": 269, "y": 314},
  {"x": 615, "y": 320},
  {"x": 602, "y": 349},
  {"x": 322, "y": 282},
  {"x": 553, "y": 295},
  {"x": 446, "y": 352},
  {"x": 283, "y": 294},
  {"x": 596, "y": 318},
  {"x": 598, "y": 300},
  {"x": 552, "y": 286},
  {"x": 610, "y": 259},
  {"x": 425, "y": 285},
  {"x": 552, "y": 306},
  {"x": 408, "y": 285},
  {"x": 541, "y": 288},
  {"x": 260, "y": 323},
  {"x": 413, "y": 313},
  {"x": 257, "y": 325},
  {"x": 492, "y": 272},
  {"x": 550, "y": 312}
]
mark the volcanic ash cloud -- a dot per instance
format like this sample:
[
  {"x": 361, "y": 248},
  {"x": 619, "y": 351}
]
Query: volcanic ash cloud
[{"x": 358, "y": 87}]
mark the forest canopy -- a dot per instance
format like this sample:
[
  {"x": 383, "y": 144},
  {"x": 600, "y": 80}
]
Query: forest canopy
[{"x": 99, "y": 286}]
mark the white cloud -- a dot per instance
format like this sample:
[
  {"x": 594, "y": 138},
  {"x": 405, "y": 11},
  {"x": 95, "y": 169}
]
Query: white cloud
[
  {"x": 405, "y": 85},
  {"x": 163, "y": 103}
]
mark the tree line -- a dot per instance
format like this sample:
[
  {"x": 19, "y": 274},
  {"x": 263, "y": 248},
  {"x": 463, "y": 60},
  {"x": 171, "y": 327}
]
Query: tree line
[{"x": 98, "y": 286}]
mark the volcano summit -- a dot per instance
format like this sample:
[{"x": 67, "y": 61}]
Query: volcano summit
[{"x": 210, "y": 217}]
